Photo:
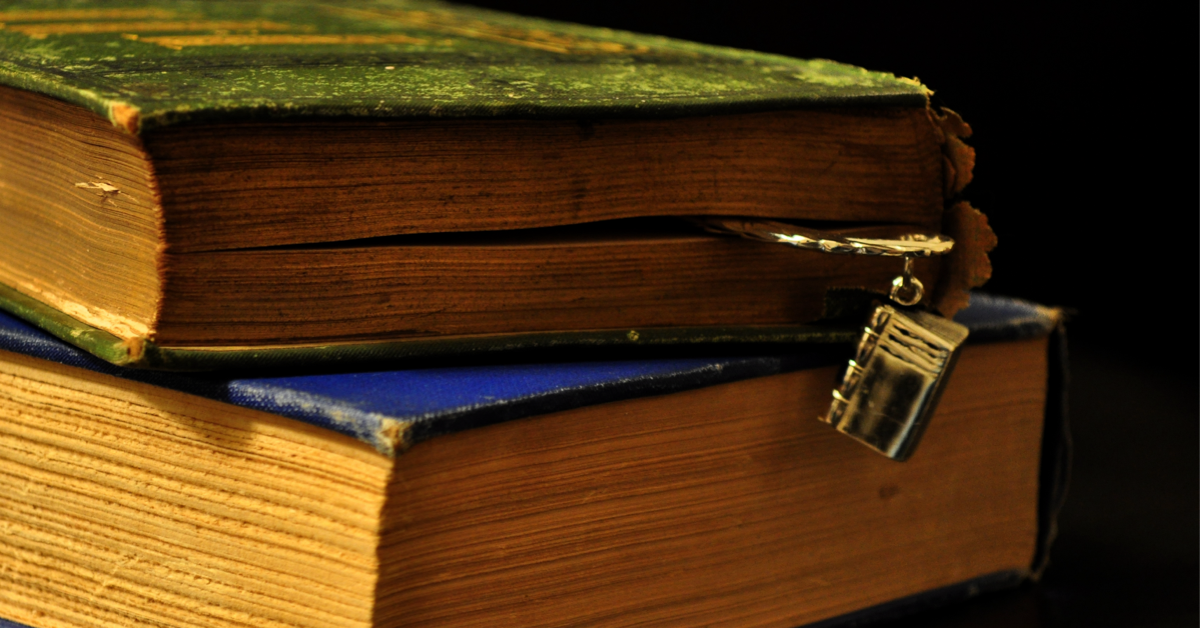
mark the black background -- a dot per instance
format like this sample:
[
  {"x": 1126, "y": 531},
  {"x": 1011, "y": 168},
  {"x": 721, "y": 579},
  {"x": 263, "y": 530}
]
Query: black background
[{"x": 1085, "y": 122}]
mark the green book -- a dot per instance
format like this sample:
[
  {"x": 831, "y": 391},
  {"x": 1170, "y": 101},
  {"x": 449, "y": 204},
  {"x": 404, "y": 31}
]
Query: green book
[{"x": 193, "y": 185}]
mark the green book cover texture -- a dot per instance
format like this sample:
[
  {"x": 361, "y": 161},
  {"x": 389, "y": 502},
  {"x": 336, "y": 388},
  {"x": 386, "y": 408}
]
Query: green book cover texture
[{"x": 150, "y": 64}]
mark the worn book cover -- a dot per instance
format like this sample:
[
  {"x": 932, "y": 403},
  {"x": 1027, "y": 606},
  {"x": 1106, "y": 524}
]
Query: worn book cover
[
  {"x": 145, "y": 65},
  {"x": 189, "y": 177}
]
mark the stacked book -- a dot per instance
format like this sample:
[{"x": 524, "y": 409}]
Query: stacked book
[{"x": 406, "y": 314}]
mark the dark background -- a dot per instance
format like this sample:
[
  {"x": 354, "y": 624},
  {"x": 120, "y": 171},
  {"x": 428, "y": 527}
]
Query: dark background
[{"x": 1082, "y": 119}]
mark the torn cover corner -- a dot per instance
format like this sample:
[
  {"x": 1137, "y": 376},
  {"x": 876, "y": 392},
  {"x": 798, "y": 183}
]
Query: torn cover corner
[
  {"x": 957, "y": 156},
  {"x": 967, "y": 266},
  {"x": 952, "y": 123},
  {"x": 125, "y": 117},
  {"x": 135, "y": 349}
]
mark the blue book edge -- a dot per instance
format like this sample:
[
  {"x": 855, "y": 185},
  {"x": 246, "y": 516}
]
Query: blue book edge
[{"x": 392, "y": 410}]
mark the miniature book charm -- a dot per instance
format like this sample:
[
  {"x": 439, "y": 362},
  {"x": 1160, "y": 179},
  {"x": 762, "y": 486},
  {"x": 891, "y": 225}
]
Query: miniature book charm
[
  {"x": 904, "y": 358},
  {"x": 891, "y": 387}
]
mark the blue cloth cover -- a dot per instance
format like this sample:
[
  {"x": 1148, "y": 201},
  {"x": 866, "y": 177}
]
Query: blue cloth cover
[{"x": 422, "y": 403}]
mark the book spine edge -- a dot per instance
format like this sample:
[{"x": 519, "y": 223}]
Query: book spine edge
[
  {"x": 97, "y": 342},
  {"x": 123, "y": 115}
]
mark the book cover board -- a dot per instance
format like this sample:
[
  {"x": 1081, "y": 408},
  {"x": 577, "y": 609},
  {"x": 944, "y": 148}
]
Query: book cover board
[{"x": 151, "y": 64}]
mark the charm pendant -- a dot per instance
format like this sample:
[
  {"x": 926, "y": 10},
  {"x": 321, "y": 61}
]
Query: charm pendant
[{"x": 891, "y": 387}]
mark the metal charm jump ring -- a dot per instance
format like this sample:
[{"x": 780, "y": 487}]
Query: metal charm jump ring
[{"x": 907, "y": 289}]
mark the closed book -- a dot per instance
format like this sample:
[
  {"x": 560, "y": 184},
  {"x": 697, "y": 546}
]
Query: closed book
[
  {"x": 193, "y": 185},
  {"x": 674, "y": 491}
]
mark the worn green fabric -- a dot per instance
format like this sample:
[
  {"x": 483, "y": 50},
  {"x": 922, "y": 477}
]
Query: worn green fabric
[
  {"x": 95, "y": 341},
  {"x": 149, "y": 64}
]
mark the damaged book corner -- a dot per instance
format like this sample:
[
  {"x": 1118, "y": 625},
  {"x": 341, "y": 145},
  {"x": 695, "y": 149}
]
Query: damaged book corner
[{"x": 397, "y": 314}]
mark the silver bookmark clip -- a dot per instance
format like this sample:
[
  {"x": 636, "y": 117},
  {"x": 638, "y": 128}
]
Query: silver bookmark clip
[
  {"x": 901, "y": 242},
  {"x": 904, "y": 358}
]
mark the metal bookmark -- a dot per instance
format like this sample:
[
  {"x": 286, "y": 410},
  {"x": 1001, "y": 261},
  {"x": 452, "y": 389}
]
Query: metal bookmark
[{"x": 904, "y": 358}]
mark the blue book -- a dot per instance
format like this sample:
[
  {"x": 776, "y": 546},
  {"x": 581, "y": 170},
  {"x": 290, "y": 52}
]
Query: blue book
[{"x": 608, "y": 492}]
